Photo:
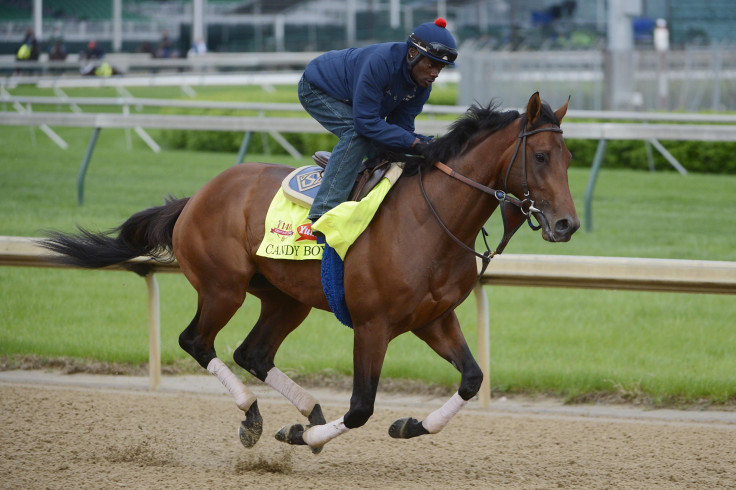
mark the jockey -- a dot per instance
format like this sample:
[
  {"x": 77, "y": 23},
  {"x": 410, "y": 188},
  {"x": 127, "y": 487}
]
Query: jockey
[{"x": 369, "y": 97}]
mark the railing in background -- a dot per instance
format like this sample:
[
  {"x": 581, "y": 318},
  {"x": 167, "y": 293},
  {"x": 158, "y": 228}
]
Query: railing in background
[
  {"x": 135, "y": 64},
  {"x": 707, "y": 127},
  {"x": 636, "y": 274}
]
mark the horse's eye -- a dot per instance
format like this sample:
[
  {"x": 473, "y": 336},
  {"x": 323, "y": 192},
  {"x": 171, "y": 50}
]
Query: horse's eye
[{"x": 541, "y": 157}]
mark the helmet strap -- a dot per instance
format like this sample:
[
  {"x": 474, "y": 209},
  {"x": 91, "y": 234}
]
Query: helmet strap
[{"x": 413, "y": 61}]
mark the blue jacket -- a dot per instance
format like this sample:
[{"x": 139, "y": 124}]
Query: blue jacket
[{"x": 375, "y": 80}]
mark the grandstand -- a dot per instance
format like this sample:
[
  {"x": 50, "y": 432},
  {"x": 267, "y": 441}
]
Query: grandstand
[{"x": 308, "y": 25}]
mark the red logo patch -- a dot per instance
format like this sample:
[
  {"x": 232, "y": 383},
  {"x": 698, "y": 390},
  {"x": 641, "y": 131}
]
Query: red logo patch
[
  {"x": 283, "y": 230},
  {"x": 305, "y": 232}
]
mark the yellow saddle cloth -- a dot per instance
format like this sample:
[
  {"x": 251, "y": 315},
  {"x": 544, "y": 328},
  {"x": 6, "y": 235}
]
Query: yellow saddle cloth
[{"x": 289, "y": 232}]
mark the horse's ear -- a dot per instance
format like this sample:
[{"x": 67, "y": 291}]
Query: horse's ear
[
  {"x": 533, "y": 108},
  {"x": 560, "y": 113}
]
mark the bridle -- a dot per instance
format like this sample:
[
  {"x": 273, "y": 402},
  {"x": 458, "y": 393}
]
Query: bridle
[{"x": 526, "y": 205}]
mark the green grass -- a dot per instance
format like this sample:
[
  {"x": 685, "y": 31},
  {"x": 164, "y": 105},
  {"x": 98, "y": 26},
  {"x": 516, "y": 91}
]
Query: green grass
[{"x": 663, "y": 347}]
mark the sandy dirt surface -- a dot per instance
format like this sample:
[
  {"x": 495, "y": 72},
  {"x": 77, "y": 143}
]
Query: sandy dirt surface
[{"x": 88, "y": 431}]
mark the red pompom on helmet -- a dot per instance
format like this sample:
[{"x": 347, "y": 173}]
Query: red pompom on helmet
[{"x": 432, "y": 39}]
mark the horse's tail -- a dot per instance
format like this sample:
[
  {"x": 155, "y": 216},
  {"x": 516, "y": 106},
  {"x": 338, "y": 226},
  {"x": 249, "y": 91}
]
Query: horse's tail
[{"x": 147, "y": 232}]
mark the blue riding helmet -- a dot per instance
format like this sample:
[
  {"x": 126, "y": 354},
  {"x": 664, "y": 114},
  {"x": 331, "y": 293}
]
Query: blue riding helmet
[{"x": 432, "y": 39}]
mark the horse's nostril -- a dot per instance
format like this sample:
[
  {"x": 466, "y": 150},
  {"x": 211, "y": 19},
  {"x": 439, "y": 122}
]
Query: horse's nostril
[{"x": 562, "y": 226}]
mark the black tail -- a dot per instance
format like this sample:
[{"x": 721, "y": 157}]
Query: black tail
[{"x": 147, "y": 232}]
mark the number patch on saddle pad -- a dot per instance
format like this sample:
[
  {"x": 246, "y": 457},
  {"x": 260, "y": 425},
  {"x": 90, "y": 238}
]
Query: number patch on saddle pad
[{"x": 301, "y": 185}]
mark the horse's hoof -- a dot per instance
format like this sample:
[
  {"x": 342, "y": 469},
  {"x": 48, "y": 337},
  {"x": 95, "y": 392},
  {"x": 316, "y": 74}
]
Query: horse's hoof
[
  {"x": 316, "y": 417},
  {"x": 315, "y": 450},
  {"x": 407, "y": 428},
  {"x": 251, "y": 428},
  {"x": 294, "y": 434},
  {"x": 291, "y": 434}
]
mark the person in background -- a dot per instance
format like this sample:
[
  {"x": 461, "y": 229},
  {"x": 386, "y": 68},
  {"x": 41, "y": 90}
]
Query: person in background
[
  {"x": 96, "y": 65},
  {"x": 29, "y": 49},
  {"x": 199, "y": 47},
  {"x": 92, "y": 52},
  {"x": 165, "y": 47},
  {"x": 369, "y": 97},
  {"x": 58, "y": 51}
]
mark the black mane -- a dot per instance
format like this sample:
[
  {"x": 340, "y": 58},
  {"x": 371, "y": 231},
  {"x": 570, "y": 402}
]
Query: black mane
[{"x": 477, "y": 119}]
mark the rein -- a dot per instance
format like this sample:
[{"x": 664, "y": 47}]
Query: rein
[{"x": 526, "y": 206}]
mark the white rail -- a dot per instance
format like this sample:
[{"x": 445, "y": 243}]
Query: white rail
[
  {"x": 721, "y": 128},
  {"x": 429, "y": 109},
  {"x": 582, "y": 130},
  {"x": 132, "y": 62},
  {"x": 687, "y": 276}
]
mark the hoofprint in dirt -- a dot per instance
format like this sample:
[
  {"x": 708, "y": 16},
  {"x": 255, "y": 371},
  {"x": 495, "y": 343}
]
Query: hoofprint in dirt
[{"x": 92, "y": 431}]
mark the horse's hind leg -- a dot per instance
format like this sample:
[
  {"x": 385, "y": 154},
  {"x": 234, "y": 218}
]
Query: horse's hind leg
[
  {"x": 215, "y": 307},
  {"x": 446, "y": 339},
  {"x": 280, "y": 315}
]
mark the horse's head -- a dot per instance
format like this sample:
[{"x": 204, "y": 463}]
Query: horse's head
[{"x": 537, "y": 171}]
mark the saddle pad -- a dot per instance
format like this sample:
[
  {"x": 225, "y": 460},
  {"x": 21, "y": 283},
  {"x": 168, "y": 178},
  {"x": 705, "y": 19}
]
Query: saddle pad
[
  {"x": 344, "y": 223},
  {"x": 301, "y": 185},
  {"x": 288, "y": 233}
]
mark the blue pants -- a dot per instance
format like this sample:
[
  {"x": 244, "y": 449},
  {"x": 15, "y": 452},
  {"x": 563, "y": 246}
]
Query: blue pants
[{"x": 342, "y": 168}]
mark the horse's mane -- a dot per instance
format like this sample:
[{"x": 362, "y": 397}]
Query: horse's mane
[{"x": 476, "y": 120}]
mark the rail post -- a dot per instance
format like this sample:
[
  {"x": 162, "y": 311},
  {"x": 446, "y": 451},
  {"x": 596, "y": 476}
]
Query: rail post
[
  {"x": 597, "y": 162},
  {"x": 484, "y": 345},
  {"x": 154, "y": 331},
  {"x": 85, "y": 165}
]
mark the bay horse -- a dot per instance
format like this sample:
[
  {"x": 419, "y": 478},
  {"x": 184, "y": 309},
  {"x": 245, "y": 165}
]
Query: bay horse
[{"x": 405, "y": 273}]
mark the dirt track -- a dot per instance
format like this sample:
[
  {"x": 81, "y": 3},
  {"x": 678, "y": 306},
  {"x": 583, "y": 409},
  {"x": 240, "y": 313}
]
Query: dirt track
[{"x": 84, "y": 431}]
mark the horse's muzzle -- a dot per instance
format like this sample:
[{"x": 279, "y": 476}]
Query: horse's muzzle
[{"x": 562, "y": 230}]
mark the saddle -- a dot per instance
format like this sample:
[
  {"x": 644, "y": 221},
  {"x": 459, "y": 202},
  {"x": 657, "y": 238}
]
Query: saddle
[
  {"x": 302, "y": 184},
  {"x": 370, "y": 173}
]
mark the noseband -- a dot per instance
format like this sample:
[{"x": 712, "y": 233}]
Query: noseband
[{"x": 526, "y": 205}]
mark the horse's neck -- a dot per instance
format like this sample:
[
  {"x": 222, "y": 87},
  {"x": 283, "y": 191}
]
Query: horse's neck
[
  {"x": 486, "y": 162},
  {"x": 465, "y": 209}
]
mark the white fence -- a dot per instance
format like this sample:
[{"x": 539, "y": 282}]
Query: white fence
[
  {"x": 132, "y": 63},
  {"x": 649, "y": 127},
  {"x": 687, "y": 276}
]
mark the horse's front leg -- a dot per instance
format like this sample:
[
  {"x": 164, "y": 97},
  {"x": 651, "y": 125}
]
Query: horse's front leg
[
  {"x": 369, "y": 351},
  {"x": 445, "y": 337}
]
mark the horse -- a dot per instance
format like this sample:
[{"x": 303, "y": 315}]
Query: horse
[{"x": 405, "y": 273}]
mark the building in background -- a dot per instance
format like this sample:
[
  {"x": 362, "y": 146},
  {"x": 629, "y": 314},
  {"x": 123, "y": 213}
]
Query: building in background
[
  {"x": 306, "y": 25},
  {"x": 508, "y": 48}
]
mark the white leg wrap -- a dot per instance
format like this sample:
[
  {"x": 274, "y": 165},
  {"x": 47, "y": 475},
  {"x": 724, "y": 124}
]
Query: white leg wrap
[
  {"x": 297, "y": 395},
  {"x": 243, "y": 396},
  {"x": 437, "y": 420},
  {"x": 319, "y": 435}
]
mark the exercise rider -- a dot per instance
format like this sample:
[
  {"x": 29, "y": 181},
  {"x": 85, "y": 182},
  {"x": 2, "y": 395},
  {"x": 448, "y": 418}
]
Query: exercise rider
[{"x": 369, "y": 97}]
